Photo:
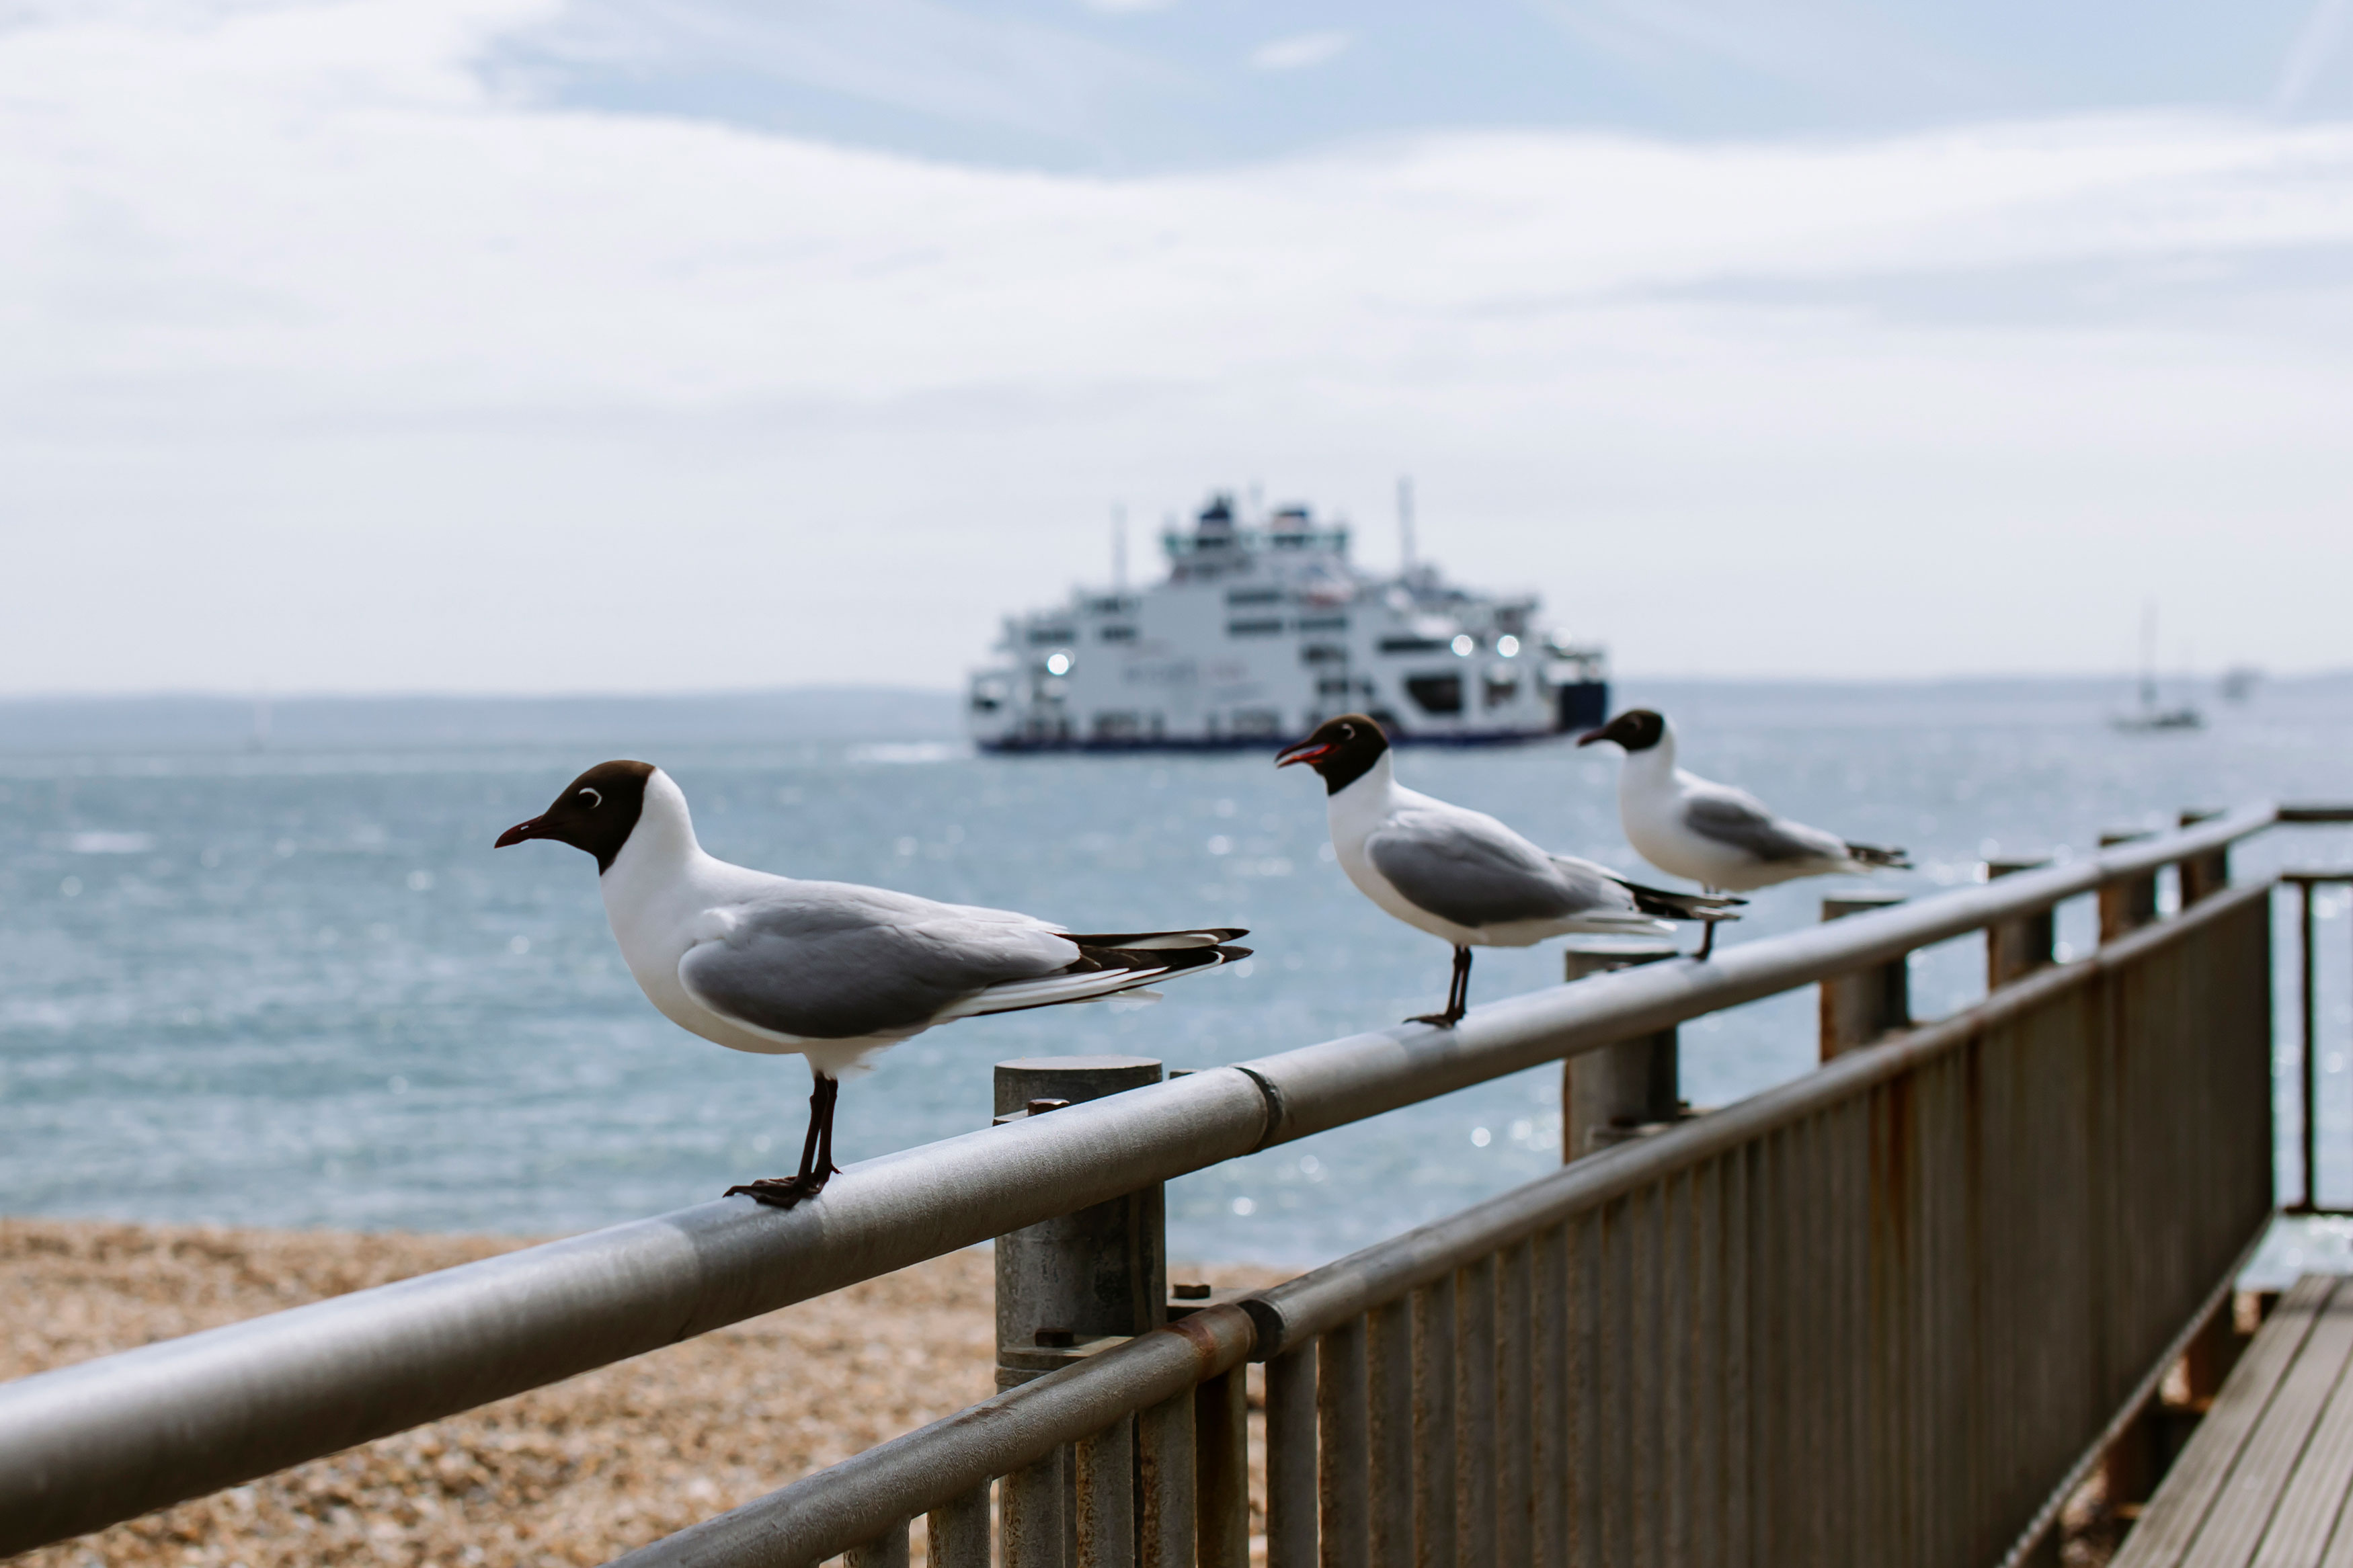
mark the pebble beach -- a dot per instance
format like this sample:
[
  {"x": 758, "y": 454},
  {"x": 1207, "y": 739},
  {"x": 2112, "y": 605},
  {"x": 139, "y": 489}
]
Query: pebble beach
[{"x": 576, "y": 1473}]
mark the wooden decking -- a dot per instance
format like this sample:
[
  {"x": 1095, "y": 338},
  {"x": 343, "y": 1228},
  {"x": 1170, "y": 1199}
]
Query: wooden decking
[{"x": 2262, "y": 1483}]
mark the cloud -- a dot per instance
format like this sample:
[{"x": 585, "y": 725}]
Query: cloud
[
  {"x": 332, "y": 361},
  {"x": 1299, "y": 52},
  {"x": 2316, "y": 44},
  {"x": 917, "y": 55}
]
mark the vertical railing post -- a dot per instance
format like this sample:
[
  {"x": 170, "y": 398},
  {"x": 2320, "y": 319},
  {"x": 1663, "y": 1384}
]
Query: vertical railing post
[
  {"x": 1292, "y": 1461},
  {"x": 1099, "y": 1273},
  {"x": 2308, "y": 1008},
  {"x": 1221, "y": 1470},
  {"x": 1608, "y": 1096},
  {"x": 1165, "y": 1483},
  {"x": 958, "y": 1533},
  {"x": 1864, "y": 1006},
  {"x": 2015, "y": 948},
  {"x": 2203, "y": 876},
  {"x": 2127, "y": 903}
]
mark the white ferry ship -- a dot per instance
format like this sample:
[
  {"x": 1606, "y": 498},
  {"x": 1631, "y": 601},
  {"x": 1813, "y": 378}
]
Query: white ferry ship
[{"x": 1262, "y": 629}]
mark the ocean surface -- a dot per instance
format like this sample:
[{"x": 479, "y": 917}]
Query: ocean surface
[{"x": 272, "y": 972}]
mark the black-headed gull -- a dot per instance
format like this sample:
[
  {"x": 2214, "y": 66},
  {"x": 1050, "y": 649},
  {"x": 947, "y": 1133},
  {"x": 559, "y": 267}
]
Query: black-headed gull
[
  {"x": 831, "y": 970},
  {"x": 1725, "y": 839},
  {"x": 1462, "y": 875}
]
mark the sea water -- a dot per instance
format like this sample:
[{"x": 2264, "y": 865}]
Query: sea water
[{"x": 297, "y": 986}]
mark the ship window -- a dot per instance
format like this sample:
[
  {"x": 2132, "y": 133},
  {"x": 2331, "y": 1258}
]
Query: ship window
[
  {"x": 1332, "y": 688},
  {"x": 1323, "y": 623},
  {"x": 1253, "y": 596},
  {"x": 1254, "y": 629},
  {"x": 1436, "y": 693},
  {"x": 1413, "y": 645},
  {"x": 1117, "y": 726},
  {"x": 1503, "y": 684},
  {"x": 1047, "y": 636},
  {"x": 1321, "y": 652},
  {"x": 1259, "y": 721},
  {"x": 1118, "y": 633}
]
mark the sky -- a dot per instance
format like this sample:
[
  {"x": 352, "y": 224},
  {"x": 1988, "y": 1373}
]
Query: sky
[{"x": 520, "y": 346}]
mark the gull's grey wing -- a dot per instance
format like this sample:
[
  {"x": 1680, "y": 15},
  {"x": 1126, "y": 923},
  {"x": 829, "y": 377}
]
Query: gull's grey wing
[
  {"x": 830, "y": 961},
  {"x": 1740, "y": 820},
  {"x": 1468, "y": 868}
]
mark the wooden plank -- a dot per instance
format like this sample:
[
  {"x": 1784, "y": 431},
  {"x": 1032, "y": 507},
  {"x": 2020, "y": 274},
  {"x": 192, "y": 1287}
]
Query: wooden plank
[
  {"x": 2309, "y": 1512},
  {"x": 2179, "y": 1510},
  {"x": 2251, "y": 1506}
]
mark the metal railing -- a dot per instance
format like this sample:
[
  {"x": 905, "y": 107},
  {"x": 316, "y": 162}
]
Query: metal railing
[
  {"x": 1868, "y": 1317},
  {"x": 89, "y": 1445},
  {"x": 2308, "y": 1037}
]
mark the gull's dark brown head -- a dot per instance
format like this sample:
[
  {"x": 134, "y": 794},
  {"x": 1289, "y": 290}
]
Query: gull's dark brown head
[
  {"x": 1637, "y": 729},
  {"x": 1342, "y": 749},
  {"x": 595, "y": 812}
]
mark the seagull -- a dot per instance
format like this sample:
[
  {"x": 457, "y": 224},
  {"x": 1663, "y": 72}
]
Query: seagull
[
  {"x": 1725, "y": 839},
  {"x": 1461, "y": 875},
  {"x": 833, "y": 972}
]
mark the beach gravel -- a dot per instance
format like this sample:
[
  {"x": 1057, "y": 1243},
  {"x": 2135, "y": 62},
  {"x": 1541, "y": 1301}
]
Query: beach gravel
[{"x": 575, "y": 1473}]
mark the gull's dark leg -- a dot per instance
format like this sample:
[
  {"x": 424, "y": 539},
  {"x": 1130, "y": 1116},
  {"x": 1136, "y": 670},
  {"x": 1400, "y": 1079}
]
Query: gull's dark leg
[
  {"x": 816, "y": 1155},
  {"x": 1457, "y": 994},
  {"x": 831, "y": 1087},
  {"x": 1707, "y": 940}
]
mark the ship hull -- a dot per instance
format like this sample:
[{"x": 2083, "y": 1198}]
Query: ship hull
[{"x": 1583, "y": 706}]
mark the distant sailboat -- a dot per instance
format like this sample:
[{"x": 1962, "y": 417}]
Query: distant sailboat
[{"x": 2153, "y": 714}]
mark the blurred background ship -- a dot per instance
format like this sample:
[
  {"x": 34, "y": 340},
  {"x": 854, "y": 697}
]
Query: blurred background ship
[{"x": 1263, "y": 628}]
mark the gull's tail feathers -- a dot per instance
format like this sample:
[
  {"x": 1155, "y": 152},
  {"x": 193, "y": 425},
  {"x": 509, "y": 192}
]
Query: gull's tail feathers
[
  {"x": 1160, "y": 941},
  {"x": 1879, "y": 860},
  {"x": 1102, "y": 971},
  {"x": 1683, "y": 906}
]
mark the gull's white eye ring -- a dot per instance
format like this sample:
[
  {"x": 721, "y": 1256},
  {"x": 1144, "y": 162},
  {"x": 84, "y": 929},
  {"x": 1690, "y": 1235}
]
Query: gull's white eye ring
[{"x": 595, "y": 799}]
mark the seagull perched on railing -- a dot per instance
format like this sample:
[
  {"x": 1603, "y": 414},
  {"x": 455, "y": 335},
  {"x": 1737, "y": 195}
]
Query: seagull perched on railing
[
  {"x": 1462, "y": 875},
  {"x": 830, "y": 970},
  {"x": 1725, "y": 839}
]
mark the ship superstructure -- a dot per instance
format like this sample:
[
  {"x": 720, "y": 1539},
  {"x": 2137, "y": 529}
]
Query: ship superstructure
[{"x": 1263, "y": 628}]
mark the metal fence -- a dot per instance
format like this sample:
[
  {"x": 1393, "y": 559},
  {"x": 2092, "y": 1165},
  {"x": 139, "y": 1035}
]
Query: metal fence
[
  {"x": 1870, "y": 1317},
  {"x": 1865, "y": 1317}
]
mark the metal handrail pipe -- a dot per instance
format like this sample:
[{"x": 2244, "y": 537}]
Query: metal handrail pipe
[
  {"x": 1318, "y": 1088},
  {"x": 823, "y": 1514},
  {"x": 85, "y": 1446},
  {"x": 1290, "y": 1314}
]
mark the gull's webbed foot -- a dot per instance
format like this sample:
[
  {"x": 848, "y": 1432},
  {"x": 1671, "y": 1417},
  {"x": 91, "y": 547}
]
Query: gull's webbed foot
[
  {"x": 781, "y": 1192},
  {"x": 1442, "y": 1020}
]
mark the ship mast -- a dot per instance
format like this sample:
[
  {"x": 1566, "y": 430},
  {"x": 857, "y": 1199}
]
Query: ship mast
[{"x": 1405, "y": 523}]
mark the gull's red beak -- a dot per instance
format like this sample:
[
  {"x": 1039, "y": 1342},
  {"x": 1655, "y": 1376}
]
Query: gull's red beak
[
  {"x": 1305, "y": 752},
  {"x": 518, "y": 833}
]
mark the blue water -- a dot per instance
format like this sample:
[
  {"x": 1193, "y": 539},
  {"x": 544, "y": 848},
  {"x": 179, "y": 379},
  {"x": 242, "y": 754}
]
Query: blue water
[{"x": 298, "y": 987}]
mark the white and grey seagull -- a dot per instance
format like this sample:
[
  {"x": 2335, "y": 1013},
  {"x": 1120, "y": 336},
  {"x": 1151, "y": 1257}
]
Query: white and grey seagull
[
  {"x": 1725, "y": 839},
  {"x": 1462, "y": 875},
  {"x": 831, "y": 970}
]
